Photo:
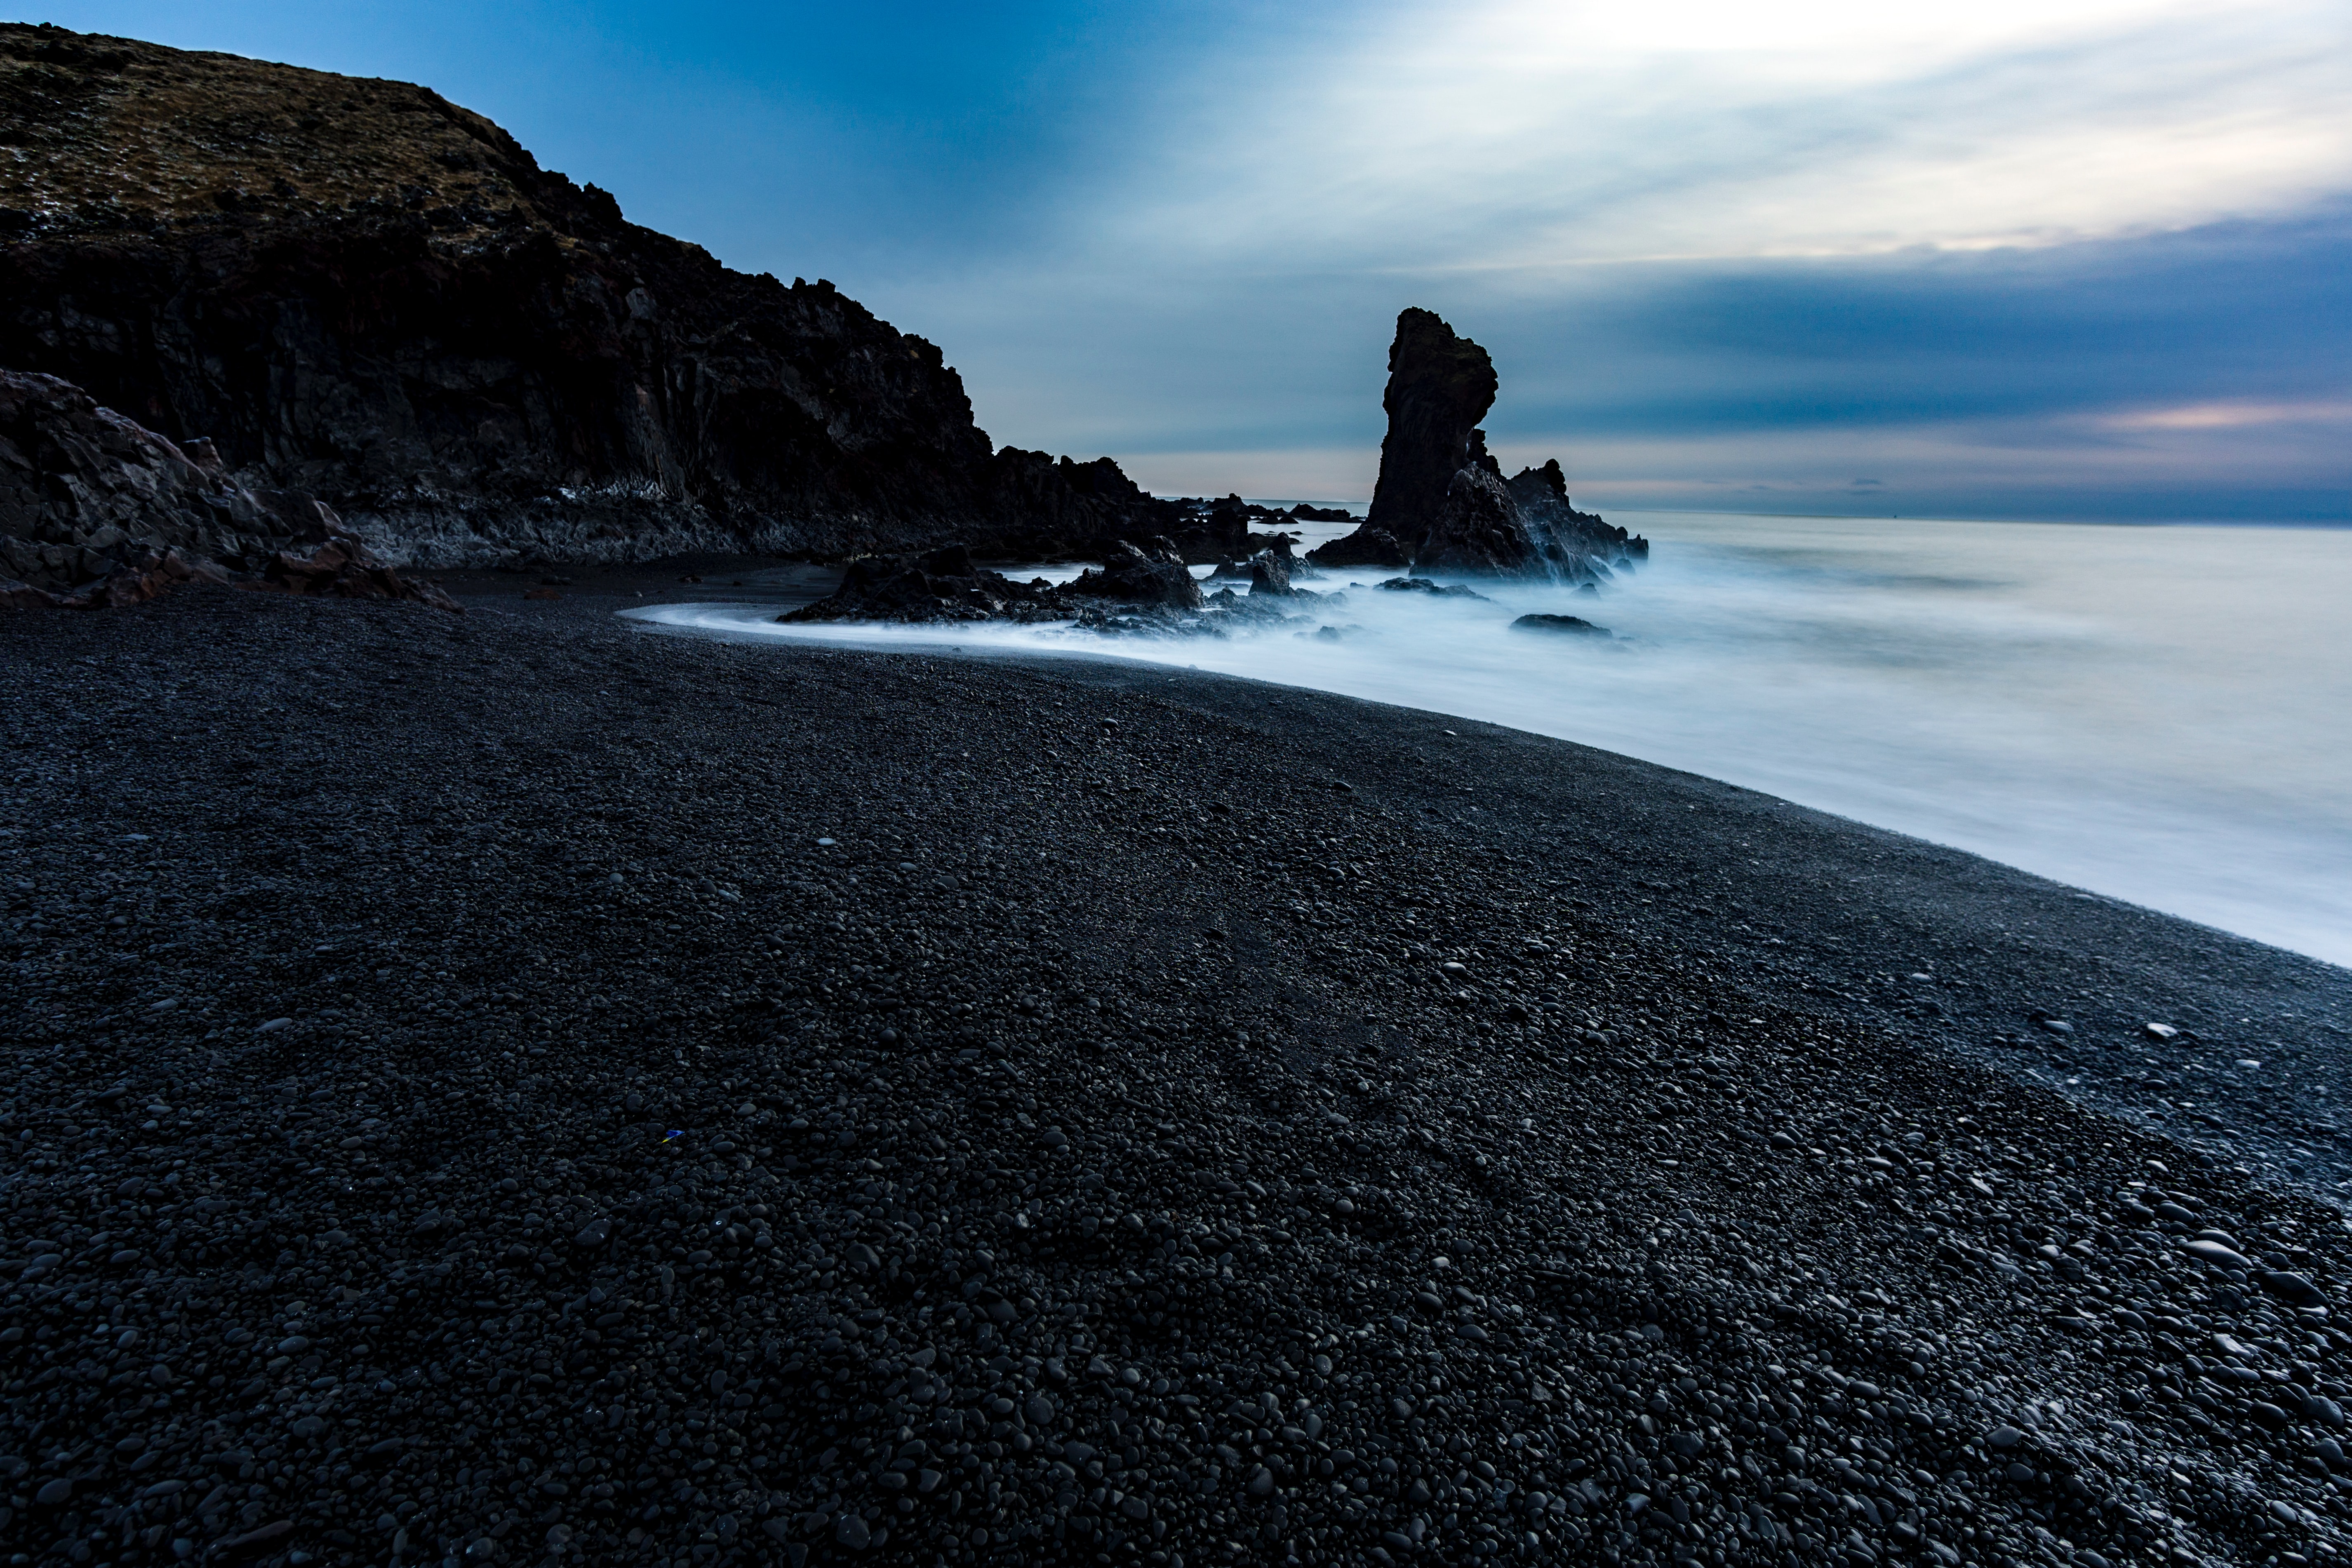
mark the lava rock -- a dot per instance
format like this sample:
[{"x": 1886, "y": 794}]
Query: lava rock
[
  {"x": 1134, "y": 575},
  {"x": 1571, "y": 625},
  {"x": 1442, "y": 502}
]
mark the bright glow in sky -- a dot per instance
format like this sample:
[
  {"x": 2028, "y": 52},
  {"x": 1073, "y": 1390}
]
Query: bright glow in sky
[{"x": 2059, "y": 258}]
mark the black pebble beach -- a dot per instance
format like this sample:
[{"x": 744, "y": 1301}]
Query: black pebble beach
[{"x": 519, "y": 1089}]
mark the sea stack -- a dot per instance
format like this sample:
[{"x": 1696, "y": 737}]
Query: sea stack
[{"x": 1442, "y": 502}]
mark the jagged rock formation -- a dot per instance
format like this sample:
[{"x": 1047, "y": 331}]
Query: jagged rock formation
[
  {"x": 1140, "y": 576},
  {"x": 96, "y": 511},
  {"x": 1270, "y": 573},
  {"x": 1139, "y": 590},
  {"x": 1442, "y": 501},
  {"x": 1439, "y": 386},
  {"x": 361, "y": 291}
]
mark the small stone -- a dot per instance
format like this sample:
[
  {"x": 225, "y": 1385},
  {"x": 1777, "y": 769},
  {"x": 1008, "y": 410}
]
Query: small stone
[
  {"x": 2222, "y": 1256},
  {"x": 52, "y": 1493},
  {"x": 273, "y": 1025},
  {"x": 1261, "y": 1482},
  {"x": 595, "y": 1233},
  {"x": 2002, "y": 1438},
  {"x": 2293, "y": 1288},
  {"x": 850, "y": 1531}
]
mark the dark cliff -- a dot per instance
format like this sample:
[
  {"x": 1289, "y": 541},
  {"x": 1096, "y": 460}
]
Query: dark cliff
[
  {"x": 361, "y": 291},
  {"x": 1442, "y": 501}
]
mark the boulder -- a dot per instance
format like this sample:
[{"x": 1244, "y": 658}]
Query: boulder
[
  {"x": 1134, "y": 576},
  {"x": 1569, "y": 626},
  {"x": 1270, "y": 574},
  {"x": 1423, "y": 586},
  {"x": 342, "y": 568},
  {"x": 942, "y": 584},
  {"x": 1367, "y": 546}
]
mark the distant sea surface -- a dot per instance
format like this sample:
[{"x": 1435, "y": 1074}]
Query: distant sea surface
[{"x": 2160, "y": 714}]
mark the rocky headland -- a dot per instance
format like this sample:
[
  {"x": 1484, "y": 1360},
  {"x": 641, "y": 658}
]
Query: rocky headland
[{"x": 357, "y": 292}]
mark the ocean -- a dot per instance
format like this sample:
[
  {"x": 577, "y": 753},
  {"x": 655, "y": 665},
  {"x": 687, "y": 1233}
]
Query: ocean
[{"x": 2161, "y": 714}]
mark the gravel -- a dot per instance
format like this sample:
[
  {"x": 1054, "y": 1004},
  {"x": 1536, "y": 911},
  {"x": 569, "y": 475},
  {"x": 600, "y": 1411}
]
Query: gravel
[{"x": 624, "y": 1098}]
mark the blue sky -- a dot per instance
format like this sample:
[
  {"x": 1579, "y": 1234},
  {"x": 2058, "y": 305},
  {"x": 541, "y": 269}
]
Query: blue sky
[{"x": 2057, "y": 258}]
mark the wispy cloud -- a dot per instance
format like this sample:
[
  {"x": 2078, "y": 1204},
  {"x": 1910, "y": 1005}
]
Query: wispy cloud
[
  {"x": 1694, "y": 221},
  {"x": 2230, "y": 416},
  {"x": 1524, "y": 135}
]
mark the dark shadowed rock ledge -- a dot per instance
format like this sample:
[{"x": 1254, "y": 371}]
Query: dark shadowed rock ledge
[{"x": 96, "y": 513}]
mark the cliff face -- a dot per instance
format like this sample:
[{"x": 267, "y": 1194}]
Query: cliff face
[
  {"x": 359, "y": 291},
  {"x": 1442, "y": 502}
]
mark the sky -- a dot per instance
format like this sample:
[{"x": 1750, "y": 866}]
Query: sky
[{"x": 2053, "y": 258}]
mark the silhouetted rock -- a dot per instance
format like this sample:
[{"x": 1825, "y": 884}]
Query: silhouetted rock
[
  {"x": 1442, "y": 500},
  {"x": 942, "y": 584},
  {"x": 359, "y": 291},
  {"x": 1270, "y": 573},
  {"x": 1136, "y": 577},
  {"x": 945, "y": 584},
  {"x": 1479, "y": 528},
  {"x": 1367, "y": 546},
  {"x": 1567, "y": 534},
  {"x": 1572, "y": 625},
  {"x": 1439, "y": 386},
  {"x": 1423, "y": 586}
]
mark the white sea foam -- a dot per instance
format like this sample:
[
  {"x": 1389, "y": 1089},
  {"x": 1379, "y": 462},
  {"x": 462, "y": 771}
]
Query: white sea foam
[{"x": 2159, "y": 714}]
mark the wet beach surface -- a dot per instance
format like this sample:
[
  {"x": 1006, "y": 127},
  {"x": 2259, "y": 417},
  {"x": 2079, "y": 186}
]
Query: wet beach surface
[{"x": 516, "y": 1085}]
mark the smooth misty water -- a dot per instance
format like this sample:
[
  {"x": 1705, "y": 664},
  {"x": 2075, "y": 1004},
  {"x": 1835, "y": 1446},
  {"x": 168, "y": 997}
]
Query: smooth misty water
[{"x": 2160, "y": 714}]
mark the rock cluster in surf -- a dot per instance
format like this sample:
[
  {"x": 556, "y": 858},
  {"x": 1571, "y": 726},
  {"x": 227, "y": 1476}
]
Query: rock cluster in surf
[
  {"x": 1137, "y": 588},
  {"x": 1442, "y": 502}
]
